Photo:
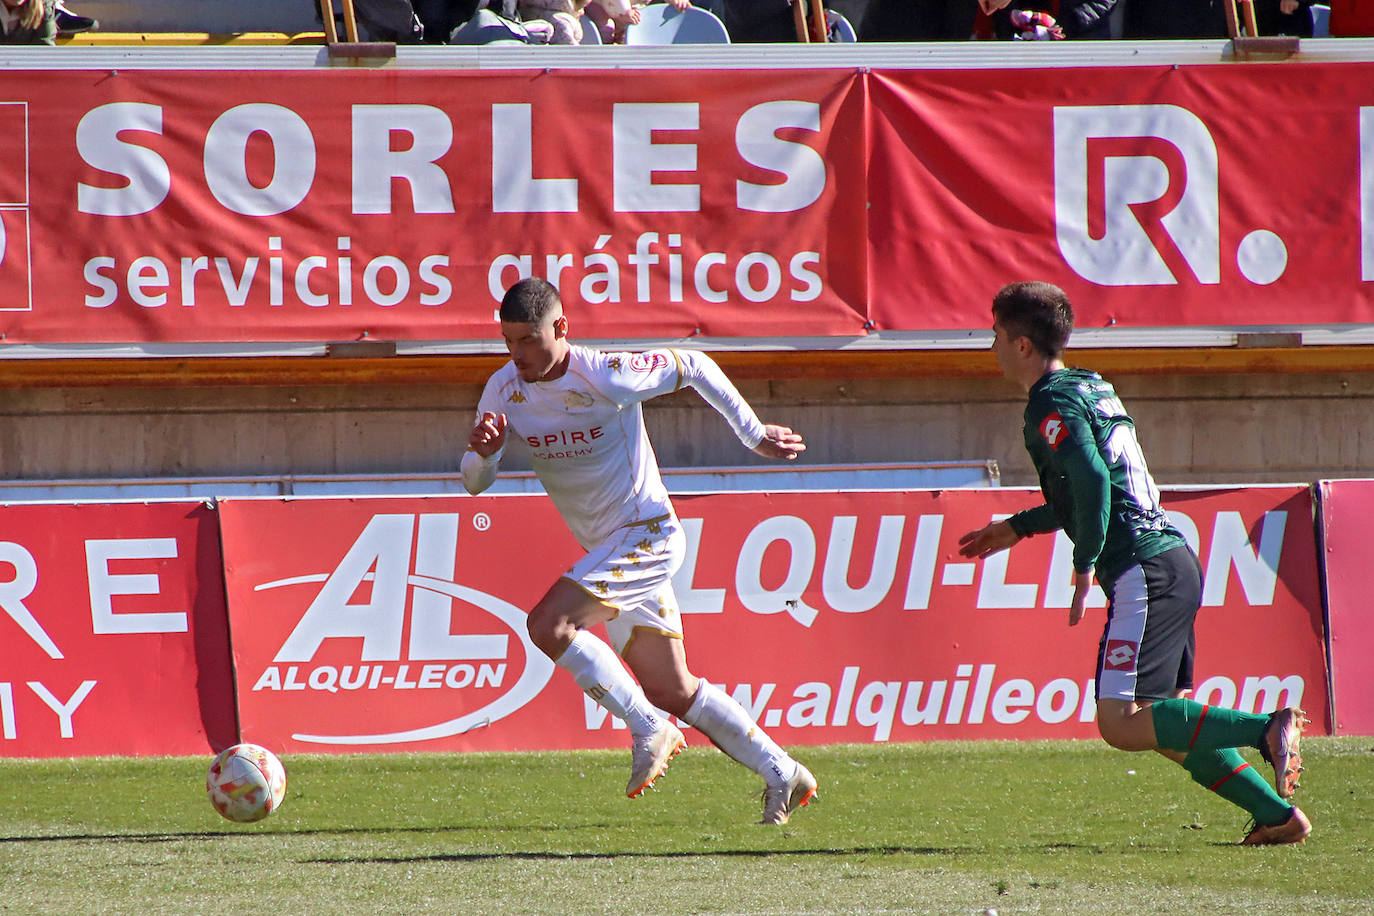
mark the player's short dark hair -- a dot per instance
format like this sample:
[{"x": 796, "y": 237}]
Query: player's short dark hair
[
  {"x": 1037, "y": 311},
  {"x": 530, "y": 301}
]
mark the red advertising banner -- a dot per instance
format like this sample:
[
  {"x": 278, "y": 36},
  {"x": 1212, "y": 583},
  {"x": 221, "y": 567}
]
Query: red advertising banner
[
  {"x": 217, "y": 206},
  {"x": 1153, "y": 195},
  {"x": 398, "y": 624},
  {"x": 15, "y": 286},
  {"x": 113, "y": 632},
  {"x": 347, "y": 205},
  {"x": 1347, "y": 514}
]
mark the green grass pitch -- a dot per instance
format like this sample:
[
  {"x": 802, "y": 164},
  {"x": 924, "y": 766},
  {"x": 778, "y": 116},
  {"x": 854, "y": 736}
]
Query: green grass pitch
[{"x": 945, "y": 828}]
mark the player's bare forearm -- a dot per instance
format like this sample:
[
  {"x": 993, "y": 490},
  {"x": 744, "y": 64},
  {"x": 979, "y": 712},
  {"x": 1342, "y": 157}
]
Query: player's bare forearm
[
  {"x": 988, "y": 540},
  {"x": 1082, "y": 581},
  {"x": 780, "y": 442}
]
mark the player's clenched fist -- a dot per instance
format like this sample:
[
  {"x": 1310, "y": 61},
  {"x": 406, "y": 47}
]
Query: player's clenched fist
[{"x": 489, "y": 435}]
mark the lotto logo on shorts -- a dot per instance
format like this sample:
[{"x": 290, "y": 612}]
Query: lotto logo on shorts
[
  {"x": 15, "y": 284},
  {"x": 1120, "y": 655},
  {"x": 1053, "y": 430}
]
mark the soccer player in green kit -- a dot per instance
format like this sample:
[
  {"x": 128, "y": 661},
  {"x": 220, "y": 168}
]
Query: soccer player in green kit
[{"x": 1099, "y": 490}]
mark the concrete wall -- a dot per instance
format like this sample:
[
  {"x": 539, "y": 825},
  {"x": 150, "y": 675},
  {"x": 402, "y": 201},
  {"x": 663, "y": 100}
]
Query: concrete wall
[{"x": 1195, "y": 429}]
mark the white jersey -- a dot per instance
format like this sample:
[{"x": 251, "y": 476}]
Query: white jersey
[{"x": 586, "y": 432}]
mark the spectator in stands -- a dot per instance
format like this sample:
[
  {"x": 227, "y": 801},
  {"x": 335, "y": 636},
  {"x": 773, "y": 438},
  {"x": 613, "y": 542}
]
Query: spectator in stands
[
  {"x": 69, "y": 23},
  {"x": 379, "y": 20},
  {"x": 917, "y": 20},
  {"x": 27, "y": 22},
  {"x": 441, "y": 17},
  {"x": 565, "y": 16},
  {"x": 613, "y": 17},
  {"x": 1284, "y": 17},
  {"x": 775, "y": 20},
  {"x": 1175, "y": 19},
  {"x": 1079, "y": 19},
  {"x": 755, "y": 20}
]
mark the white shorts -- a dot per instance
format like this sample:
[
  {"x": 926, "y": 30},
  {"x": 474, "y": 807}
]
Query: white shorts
[{"x": 631, "y": 572}]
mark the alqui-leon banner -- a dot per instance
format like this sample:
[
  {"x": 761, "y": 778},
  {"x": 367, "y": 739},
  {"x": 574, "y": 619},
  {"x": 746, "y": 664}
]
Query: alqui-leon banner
[{"x": 398, "y": 624}]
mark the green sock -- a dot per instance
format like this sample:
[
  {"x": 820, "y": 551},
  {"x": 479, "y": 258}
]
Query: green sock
[
  {"x": 1226, "y": 773},
  {"x": 1187, "y": 725}
]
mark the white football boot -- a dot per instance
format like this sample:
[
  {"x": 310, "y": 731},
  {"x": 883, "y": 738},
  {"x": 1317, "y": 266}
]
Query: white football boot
[
  {"x": 651, "y": 756},
  {"x": 780, "y": 801}
]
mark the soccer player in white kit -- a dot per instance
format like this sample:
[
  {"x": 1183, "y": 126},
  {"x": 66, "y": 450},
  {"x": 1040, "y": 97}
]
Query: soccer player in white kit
[{"x": 579, "y": 411}]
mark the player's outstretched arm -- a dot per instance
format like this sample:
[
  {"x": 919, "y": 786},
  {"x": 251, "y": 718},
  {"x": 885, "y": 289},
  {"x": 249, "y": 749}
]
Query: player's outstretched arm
[
  {"x": 780, "y": 442},
  {"x": 701, "y": 372},
  {"x": 485, "y": 443},
  {"x": 988, "y": 540}
]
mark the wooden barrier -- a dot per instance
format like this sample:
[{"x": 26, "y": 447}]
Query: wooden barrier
[
  {"x": 190, "y": 39},
  {"x": 755, "y": 365}
]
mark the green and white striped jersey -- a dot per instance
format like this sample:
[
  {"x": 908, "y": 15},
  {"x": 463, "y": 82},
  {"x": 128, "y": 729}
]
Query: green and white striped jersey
[{"x": 1093, "y": 474}]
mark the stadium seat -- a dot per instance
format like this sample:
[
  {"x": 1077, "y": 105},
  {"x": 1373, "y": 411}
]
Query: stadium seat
[
  {"x": 661, "y": 24},
  {"x": 841, "y": 29},
  {"x": 591, "y": 33},
  {"x": 1321, "y": 21}
]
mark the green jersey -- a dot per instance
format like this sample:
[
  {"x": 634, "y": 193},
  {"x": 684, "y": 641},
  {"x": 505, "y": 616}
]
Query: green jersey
[{"x": 1096, "y": 485}]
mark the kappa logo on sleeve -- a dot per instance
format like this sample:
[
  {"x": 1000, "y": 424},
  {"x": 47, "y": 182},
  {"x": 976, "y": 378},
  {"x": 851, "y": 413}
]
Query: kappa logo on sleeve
[{"x": 1053, "y": 430}]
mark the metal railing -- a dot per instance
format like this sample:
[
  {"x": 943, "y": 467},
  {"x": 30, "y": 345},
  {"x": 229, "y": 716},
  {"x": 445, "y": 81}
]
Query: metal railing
[{"x": 785, "y": 478}]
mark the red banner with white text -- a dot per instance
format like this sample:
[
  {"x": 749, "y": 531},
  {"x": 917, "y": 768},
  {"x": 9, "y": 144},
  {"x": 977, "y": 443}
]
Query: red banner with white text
[
  {"x": 1155, "y": 196},
  {"x": 398, "y": 623},
  {"x": 112, "y": 631},
  {"x": 221, "y": 206},
  {"x": 1347, "y": 533},
  {"x": 325, "y": 206}
]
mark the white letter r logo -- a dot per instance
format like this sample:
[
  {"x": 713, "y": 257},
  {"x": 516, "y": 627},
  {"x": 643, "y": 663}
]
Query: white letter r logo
[{"x": 1124, "y": 255}]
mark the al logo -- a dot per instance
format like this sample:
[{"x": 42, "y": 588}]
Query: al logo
[{"x": 390, "y": 602}]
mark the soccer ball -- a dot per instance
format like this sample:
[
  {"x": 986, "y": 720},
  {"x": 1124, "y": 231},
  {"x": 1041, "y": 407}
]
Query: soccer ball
[{"x": 246, "y": 782}]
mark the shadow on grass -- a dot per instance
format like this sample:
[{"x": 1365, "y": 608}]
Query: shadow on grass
[
  {"x": 249, "y": 831},
  {"x": 596, "y": 856},
  {"x": 548, "y": 855},
  {"x": 487, "y": 829}
]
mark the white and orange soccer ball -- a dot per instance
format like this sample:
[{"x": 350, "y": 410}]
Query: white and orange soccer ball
[{"x": 246, "y": 782}]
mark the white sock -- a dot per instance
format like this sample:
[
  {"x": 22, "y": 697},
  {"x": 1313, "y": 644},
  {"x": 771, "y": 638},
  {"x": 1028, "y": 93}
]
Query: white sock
[
  {"x": 598, "y": 671},
  {"x": 718, "y": 716}
]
